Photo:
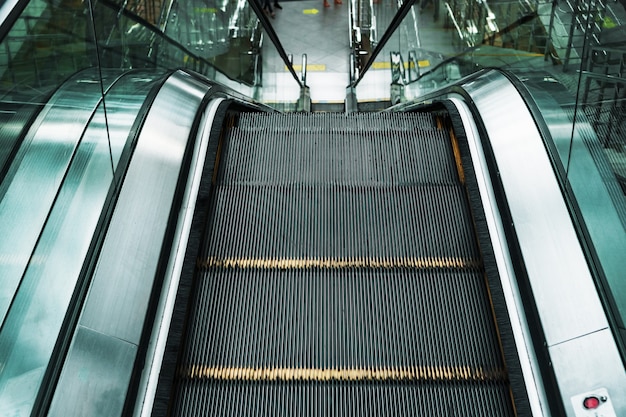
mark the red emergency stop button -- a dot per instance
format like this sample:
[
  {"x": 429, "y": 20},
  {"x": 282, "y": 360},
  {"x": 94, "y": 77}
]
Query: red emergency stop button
[{"x": 591, "y": 403}]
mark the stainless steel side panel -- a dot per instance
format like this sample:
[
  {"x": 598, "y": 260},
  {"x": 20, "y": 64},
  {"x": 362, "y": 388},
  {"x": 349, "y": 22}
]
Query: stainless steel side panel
[
  {"x": 33, "y": 181},
  {"x": 165, "y": 309},
  {"x": 561, "y": 282},
  {"x": 96, "y": 361},
  {"x": 118, "y": 298},
  {"x": 129, "y": 257},
  {"x": 519, "y": 324},
  {"x": 38, "y": 308},
  {"x": 583, "y": 362},
  {"x": 573, "y": 320}
]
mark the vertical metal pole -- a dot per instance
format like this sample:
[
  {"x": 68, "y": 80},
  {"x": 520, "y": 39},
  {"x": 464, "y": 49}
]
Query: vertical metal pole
[{"x": 549, "y": 43}]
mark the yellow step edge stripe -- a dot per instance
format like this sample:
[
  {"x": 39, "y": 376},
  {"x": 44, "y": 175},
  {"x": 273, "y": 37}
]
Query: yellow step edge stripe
[
  {"x": 329, "y": 263},
  {"x": 409, "y": 373}
]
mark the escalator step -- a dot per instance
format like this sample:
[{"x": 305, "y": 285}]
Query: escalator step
[
  {"x": 429, "y": 399},
  {"x": 395, "y": 154},
  {"x": 341, "y": 276},
  {"x": 296, "y": 222},
  {"x": 331, "y": 318}
]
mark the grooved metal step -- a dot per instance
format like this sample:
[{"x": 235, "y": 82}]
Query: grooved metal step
[{"x": 341, "y": 276}]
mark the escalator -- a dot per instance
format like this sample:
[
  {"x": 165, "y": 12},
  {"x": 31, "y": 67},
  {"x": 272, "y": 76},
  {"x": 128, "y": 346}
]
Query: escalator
[
  {"x": 340, "y": 273},
  {"x": 173, "y": 246},
  {"x": 239, "y": 261}
]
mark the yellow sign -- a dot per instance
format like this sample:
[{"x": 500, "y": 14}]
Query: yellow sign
[{"x": 310, "y": 11}]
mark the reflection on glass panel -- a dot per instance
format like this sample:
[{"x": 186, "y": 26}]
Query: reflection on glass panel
[
  {"x": 44, "y": 46},
  {"x": 201, "y": 26},
  {"x": 594, "y": 171},
  {"x": 469, "y": 35},
  {"x": 149, "y": 10},
  {"x": 599, "y": 141},
  {"x": 225, "y": 34},
  {"x": 220, "y": 39},
  {"x": 396, "y": 63},
  {"x": 38, "y": 308},
  {"x": 36, "y": 172}
]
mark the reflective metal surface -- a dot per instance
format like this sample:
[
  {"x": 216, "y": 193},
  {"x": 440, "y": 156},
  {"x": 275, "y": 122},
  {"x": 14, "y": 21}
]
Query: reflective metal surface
[
  {"x": 96, "y": 363},
  {"x": 148, "y": 386},
  {"x": 601, "y": 201},
  {"x": 140, "y": 219},
  {"x": 49, "y": 43},
  {"x": 588, "y": 363},
  {"x": 556, "y": 266},
  {"x": 117, "y": 303},
  {"x": 519, "y": 324},
  {"x": 33, "y": 181},
  {"x": 581, "y": 348},
  {"x": 39, "y": 306}
]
